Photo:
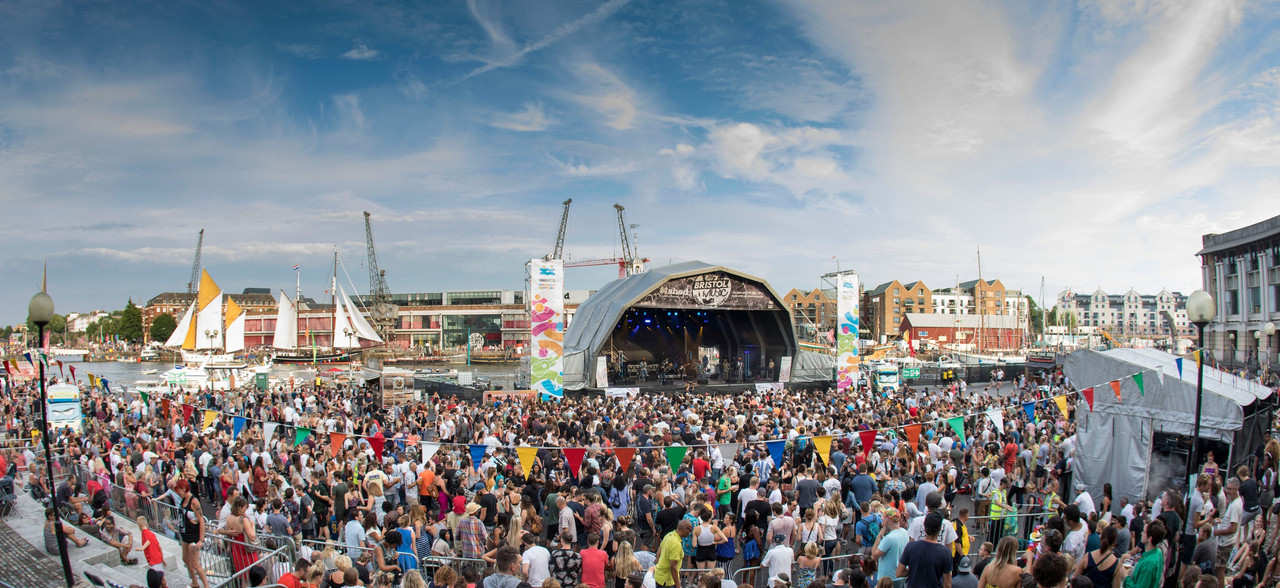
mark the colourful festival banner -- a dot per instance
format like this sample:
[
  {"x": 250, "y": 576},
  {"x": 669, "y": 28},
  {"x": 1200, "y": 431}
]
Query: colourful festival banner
[
  {"x": 237, "y": 425},
  {"x": 1030, "y": 409},
  {"x": 847, "y": 332},
  {"x": 376, "y": 442},
  {"x": 1176, "y": 361},
  {"x": 546, "y": 327},
  {"x": 997, "y": 418}
]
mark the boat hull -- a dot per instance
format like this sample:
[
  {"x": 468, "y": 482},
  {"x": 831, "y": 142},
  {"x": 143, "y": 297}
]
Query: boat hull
[{"x": 342, "y": 357}]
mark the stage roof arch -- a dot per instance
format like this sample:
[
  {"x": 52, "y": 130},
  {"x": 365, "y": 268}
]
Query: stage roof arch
[{"x": 690, "y": 286}]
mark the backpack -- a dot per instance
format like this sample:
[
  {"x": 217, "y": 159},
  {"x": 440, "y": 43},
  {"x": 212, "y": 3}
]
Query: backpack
[
  {"x": 873, "y": 529},
  {"x": 615, "y": 498}
]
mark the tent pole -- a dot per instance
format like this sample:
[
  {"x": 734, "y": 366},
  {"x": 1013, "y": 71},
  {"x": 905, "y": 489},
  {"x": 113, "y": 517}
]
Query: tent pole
[{"x": 1195, "y": 439}]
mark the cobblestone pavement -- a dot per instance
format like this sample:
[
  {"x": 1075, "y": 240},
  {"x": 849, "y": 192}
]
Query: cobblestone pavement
[{"x": 23, "y": 565}]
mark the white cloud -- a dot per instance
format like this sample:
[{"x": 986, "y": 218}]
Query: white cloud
[
  {"x": 361, "y": 52},
  {"x": 532, "y": 118},
  {"x": 604, "y": 11},
  {"x": 610, "y": 97}
]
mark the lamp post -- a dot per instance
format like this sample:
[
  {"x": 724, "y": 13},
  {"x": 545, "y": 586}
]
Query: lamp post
[
  {"x": 1268, "y": 330},
  {"x": 40, "y": 311},
  {"x": 1200, "y": 311}
]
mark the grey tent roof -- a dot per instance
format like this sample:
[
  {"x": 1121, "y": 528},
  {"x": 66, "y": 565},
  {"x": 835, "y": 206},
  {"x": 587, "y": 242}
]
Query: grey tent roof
[
  {"x": 1239, "y": 390},
  {"x": 596, "y": 318}
]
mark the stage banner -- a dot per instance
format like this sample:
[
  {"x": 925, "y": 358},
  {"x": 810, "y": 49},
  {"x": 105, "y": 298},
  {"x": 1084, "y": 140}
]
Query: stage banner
[
  {"x": 620, "y": 392},
  {"x": 546, "y": 326},
  {"x": 784, "y": 369},
  {"x": 847, "y": 332},
  {"x": 602, "y": 372},
  {"x": 765, "y": 387}
]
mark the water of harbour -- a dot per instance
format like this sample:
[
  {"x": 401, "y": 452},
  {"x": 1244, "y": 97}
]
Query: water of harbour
[{"x": 127, "y": 373}]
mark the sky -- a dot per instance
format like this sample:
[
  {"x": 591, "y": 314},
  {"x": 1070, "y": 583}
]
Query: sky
[{"x": 1088, "y": 143}]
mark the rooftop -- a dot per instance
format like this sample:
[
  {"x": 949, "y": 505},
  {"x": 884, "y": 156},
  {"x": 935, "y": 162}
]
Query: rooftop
[{"x": 1214, "y": 242}]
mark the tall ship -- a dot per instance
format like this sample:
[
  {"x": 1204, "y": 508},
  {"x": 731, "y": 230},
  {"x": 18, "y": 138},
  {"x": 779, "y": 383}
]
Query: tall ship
[
  {"x": 204, "y": 335},
  {"x": 351, "y": 331}
]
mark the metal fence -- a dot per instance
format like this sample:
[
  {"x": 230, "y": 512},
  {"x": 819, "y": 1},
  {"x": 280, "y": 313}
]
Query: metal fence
[
  {"x": 427, "y": 565},
  {"x": 274, "y": 564},
  {"x": 758, "y": 576}
]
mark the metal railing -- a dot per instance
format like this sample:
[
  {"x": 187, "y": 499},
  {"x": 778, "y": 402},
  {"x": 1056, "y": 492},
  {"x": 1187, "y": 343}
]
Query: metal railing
[
  {"x": 758, "y": 576},
  {"x": 275, "y": 564}
]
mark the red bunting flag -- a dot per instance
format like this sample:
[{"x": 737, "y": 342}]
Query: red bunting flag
[
  {"x": 165, "y": 405},
  {"x": 187, "y": 409},
  {"x": 7, "y": 369},
  {"x": 1115, "y": 385},
  {"x": 335, "y": 443},
  {"x": 573, "y": 455},
  {"x": 73, "y": 373},
  {"x": 868, "y": 441},
  {"x": 376, "y": 442},
  {"x": 913, "y": 435},
  {"x": 1088, "y": 397},
  {"x": 625, "y": 455}
]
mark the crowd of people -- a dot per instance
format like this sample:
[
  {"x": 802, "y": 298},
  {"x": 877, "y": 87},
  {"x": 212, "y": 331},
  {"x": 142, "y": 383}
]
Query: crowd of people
[{"x": 995, "y": 508}]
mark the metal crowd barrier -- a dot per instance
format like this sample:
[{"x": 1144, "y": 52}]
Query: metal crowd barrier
[
  {"x": 758, "y": 576},
  {"x": 275, "y": 564}
]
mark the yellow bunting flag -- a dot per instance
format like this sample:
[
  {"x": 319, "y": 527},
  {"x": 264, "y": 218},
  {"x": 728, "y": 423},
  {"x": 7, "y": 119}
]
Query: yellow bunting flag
[
  {"x": 528, "y": 455},
  {"x": 823, "y": 444},
  {"x": 1062, "y": 403},
  {"x": 1197, "y": 356},
  {"x": 209, "y": 418}
]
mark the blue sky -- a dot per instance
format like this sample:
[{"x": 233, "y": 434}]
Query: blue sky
[{"x": 1091, "y": 143}]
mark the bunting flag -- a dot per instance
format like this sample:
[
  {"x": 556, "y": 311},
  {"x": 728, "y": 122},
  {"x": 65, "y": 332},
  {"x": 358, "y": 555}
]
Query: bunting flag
[
  {"x": 477, "y": 454},
  {"x": 913, "y": 435},
  {"x": 626, "y": 454},
  {"x": 1137, "y": 378},
  {"x": 60, "y": 370},
  {"x": 187, "y": 410},
  {"x": 165, "y": 405},
  {"x": 210, "y": 417},
  {"x": 957, "y": 424},
  {"x": 1115, "y": 386},
  {"x": 269, "y": 431},
  {"x": 997, "y": 418},
  {"x": 868, "y": 440},
  {"x": 27, "y": 354},
  {"x": 106, "y": 386},
  {"x": 146, "y": 398},
  {"x": 1030, "y": 409},
  {"x": 1088, "y": 397},
  {"x": 1061, "y": 401},
  {"x": 728, "y": 451},
  {"x": 822, "y": 443},
  {"x": 429, "y": 451},
  {"x": 573, "y": 456},
  {"x": 1197, "y": 355},
  {"x": 675, "y": 456},
  {"x": 775, "y": 448},
  {"x": 73, "y": 373},
  {"x": 335, "y": 443},
  {"x": 528, "y": 455},
  {"x": 376, "y": 442},
  {"x": 300, "y": 435},
  {"x": 7, "y": 369},
  {"x": 237, "y": 425},
  {"x": 1176, "y": 361}
]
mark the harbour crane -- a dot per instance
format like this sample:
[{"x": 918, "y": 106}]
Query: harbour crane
[
  {"x": 381, "y": 311},
  {"x": 195, "y": 266},
  {"x": 629, "y": 263},
  {"x": 557, "y": 252}
]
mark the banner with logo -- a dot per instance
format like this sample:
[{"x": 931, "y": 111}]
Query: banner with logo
[
  {"x": 847, "y": 331},
  {"x": 602, "y": 372},
  {"x": 766, "y": 387},
  {"x": 784, "y": 369},
  {"x": 546, "y": 326},
  {"x": 620, "y": 392}
]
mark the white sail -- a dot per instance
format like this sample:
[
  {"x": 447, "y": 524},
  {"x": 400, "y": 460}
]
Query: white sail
[
  {"x": 179, "y": 335},
  {"x": 286, "y": 324},
  {"x": 234, "y": 326},
  {"x": 362, "y": 327},
  {"x": 344, "y": 333},
  {"x": 209, "y": 327}
]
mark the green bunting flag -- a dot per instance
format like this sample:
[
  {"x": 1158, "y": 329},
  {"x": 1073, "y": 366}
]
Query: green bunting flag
[
  {"x": 1138, "y": 378},
  {"x": 957, "y": 423},
  {"x": 145, "y": 397},
  {"x": 675, "y": 455},
  {"x": 301, "y": 435}
]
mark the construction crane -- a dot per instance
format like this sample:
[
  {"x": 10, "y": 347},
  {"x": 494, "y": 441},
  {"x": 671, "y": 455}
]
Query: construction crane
[
  {"x": 557, "y": 252},
  {"x": 381, "y": 311},
  {"x": 195, "y": 266},
  {"x": 628, "y": 263}
]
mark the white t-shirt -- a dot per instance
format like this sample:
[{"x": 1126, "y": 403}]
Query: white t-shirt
[
  {"x": 1085, "y": 502},
  {"x": 1075, "y": 541},
  {"x": 538, "y": 559},
  {"x": 779, "y": 560},
  {"x": 1234, "y": 512},
  {"x": 915, "y": 531}
]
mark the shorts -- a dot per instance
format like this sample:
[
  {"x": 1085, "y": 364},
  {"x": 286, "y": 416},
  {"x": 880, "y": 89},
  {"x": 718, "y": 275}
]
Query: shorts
[
  {"x": 1224, "y": 556},
  {"x": 705, "y": 553}
]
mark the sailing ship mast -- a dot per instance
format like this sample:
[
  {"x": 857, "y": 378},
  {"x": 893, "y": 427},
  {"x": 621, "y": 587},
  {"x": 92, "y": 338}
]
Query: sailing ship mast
[{"x": 982, "y": 310}]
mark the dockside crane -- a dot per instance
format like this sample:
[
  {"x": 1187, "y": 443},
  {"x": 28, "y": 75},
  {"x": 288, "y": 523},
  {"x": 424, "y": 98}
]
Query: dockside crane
[
  {"x": 629, "y": 263},
  {"x": 557, "y": 252},
  {"x": 195, "y": 265},
  {"x": 381, "y": 310}
]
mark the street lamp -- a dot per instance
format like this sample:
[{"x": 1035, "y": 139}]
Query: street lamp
[
  {"x": 1200, "y": 311},
  {"x": 1268, "y": 330},
  {"x": 210, "y": 334},
  {"x": 40, "y": 312}
]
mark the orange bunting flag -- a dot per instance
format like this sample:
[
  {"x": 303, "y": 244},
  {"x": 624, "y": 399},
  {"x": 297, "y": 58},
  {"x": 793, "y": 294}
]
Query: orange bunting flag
[
  {"x": 913, "y": 435},
  {"x": 165, "y": 406},
  {"x": 625, "y": 455},
  {"x": 335, "y": 443},
  {"x": 1115, "y": 385},
  {"x": 823, "y": 444}
]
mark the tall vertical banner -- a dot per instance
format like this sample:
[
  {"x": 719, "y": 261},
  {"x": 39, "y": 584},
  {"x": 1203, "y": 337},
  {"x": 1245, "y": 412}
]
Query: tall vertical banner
[
  {"x": 784, "y": 369},
  {"x": 546, "y": 327},
  {"x": 602, "y": 372},
  {"x": 847, "y": 332}
]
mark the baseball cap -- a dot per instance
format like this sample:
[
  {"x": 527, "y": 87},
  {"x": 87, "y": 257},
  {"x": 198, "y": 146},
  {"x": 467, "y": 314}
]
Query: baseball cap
[{"x": 966, "y": 565}]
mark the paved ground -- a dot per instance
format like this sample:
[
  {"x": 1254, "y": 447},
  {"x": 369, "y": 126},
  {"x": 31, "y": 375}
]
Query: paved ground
[{"x": 23, "y": 565}]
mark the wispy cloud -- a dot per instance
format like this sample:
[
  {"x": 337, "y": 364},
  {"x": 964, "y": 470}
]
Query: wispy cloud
[
  {"x": 604, "y": 11},
  {"x": 302, "y": 51},
  {"x": 532, "y": 118},
  {"x": 361, "y": 52}
]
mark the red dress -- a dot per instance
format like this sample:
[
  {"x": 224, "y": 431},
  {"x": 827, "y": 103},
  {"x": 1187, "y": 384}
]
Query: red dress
[{"x": 241, "y": 556}]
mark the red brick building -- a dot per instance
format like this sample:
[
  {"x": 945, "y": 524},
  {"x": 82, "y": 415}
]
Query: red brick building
[{"x": 991, "y": 332}]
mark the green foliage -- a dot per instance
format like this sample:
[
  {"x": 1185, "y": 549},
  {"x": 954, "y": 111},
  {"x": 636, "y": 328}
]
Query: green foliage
[
  {"x": 130, "y": 328},
  {"x": 1036, "y": 321},
  {"x": 162, "y": 327}
]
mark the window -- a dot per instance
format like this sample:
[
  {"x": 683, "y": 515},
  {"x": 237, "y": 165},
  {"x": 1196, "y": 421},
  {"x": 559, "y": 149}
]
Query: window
[
  {"x": 922, "y": 333},
  {"x": 919, "y": 300},
  {"x": 896, "y": 291},
  {"x": 895, "y": 301}
]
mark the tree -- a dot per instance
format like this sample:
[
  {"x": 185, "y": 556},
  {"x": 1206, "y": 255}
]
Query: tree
[
  {"x": 92, "y": 330},
  {"x": 162, "y": 327},
  {"x": 1037, "y": 321},
  {"x": 55, "y": 327},
  {"x": 131, "y": 323}
]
